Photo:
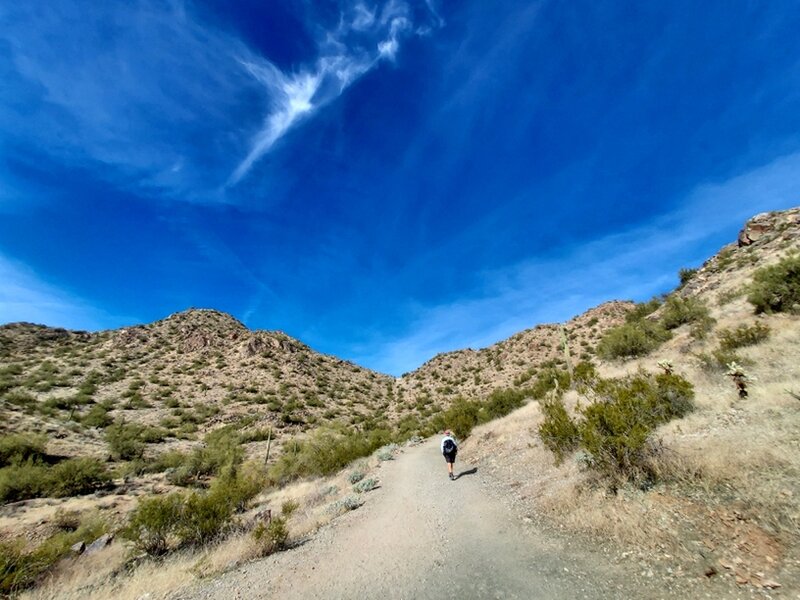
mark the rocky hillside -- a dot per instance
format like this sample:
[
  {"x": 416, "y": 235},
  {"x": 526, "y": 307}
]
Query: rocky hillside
[
  {"x": 186, "y": 374},
  {"x": 511, "y": 362},
  {"x": 199, "y": 369}
]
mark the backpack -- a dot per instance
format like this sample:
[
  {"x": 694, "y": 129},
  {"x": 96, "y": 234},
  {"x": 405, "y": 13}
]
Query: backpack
[{"x": 449, "y": 446}]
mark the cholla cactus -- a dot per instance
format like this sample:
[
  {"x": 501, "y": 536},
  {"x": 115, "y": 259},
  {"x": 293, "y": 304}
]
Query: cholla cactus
[
  {"x": 740, "y": 378},
  {"x": 667, "y": 366}
]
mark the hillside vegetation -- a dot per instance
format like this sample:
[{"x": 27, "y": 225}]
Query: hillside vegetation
[{"x": 629, "y": 421}]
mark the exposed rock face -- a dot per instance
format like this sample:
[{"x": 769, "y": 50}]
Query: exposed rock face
[
  {"x": 767, "y": 226},
  {"x": 760, "y": 241},
  {"x": 100, "y": 543}
]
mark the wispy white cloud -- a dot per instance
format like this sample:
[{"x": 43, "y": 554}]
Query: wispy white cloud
[
  {"x": 25, "y": 296},
  {"x": 632, "y": 264},
  {"x": 152, "y": 97},
  {"x": 363, "y": 37}
]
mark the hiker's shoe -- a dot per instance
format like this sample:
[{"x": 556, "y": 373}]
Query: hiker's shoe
[{"x": 452, "y": 477}]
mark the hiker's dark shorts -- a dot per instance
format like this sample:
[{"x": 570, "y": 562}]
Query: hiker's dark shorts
[{"x": 450, "y": 456}]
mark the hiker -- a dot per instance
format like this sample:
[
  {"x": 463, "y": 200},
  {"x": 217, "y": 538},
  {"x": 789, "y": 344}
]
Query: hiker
[{"x": 449, "y": 450}]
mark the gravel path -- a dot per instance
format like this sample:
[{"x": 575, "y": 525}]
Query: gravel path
[{"x": 423, "y": 536}]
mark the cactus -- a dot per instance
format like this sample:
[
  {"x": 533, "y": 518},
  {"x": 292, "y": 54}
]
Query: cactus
[{"x": 740, "y": 378}]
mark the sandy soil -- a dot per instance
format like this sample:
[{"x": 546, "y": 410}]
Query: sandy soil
[{"x": 421, "y": 535}]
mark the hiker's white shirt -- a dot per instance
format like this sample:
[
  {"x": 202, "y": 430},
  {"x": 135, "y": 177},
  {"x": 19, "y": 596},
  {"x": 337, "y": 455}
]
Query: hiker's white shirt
[{"x": 448, "y": 437}]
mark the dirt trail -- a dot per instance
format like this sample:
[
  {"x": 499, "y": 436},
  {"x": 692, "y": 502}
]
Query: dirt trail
[{"x": 422, "y": 536}]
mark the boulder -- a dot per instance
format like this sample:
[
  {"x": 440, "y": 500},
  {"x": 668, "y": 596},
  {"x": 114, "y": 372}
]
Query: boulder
[
  {"x": 78, "y": 548},
  {"x": 100, "y": 543}
]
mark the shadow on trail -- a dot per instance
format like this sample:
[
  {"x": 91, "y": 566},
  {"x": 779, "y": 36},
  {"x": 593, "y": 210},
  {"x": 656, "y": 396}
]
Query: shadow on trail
[{"x": 472, "y": 471}]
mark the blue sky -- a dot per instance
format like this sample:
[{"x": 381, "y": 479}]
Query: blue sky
[{"x": 382, "y": 180}]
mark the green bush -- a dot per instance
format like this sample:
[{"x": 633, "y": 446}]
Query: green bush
[
  {"x": 193, "y": 519},
  {"x": 679, "y": 311},
  {"x": 461, "y": 417},
  {"x": 271, "y": 537},
  {"x": 125, "y": 440},
  {"x": 21, "y": 568},
  {"x": 204, "y": 517},
  {"x": 222, "y": 450},
  {"x": 719, "y": 360},
  {"x": 153, "y": 522},
  {"x": 743, "y": 335},
  {"x": 18, "y": 448},
  {"x": 288, "y": 508},
  {"x": 365, "y": 485},
  {"x": 686, "y": 275},
  {"x": 78, "y": 476},
  {"x": 239, "y": 484},
  {"x": 23, "y": 400},
  {"x": 355, "y": 476},
  {"x": 615, "y": 429},
  {"x": 777, "y": 288},
  {"x": 585, "y": 374},
  {"x": 642, "y": 309},
  {"x": 325, "y": 451},
  {"x": 558, "y": 431},
  {"x": 548, "y": 379},
  {"x": 97, "y": 417},
  {"x": 502, "y": 402},
  {"x": 636, "y": 338},
  {"x": 23, "y": 481}
]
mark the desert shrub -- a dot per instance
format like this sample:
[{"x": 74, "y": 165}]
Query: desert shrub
[
  {"x": 238, "y": 485},
  {"x": 679, "y": 311},
  {"x": 18, "y": 448},
  {"x": 585, "y": 373},
  {"x": 615, "y": 429},
  {"x": 97, "y": 417},
  {"x": 642, "y": 309},
  {"x": 365, "y": 485},
  {"x": 8, "y": 377},
  {"x": 719, "y": 359},
  {"x": 153, "y": 521},
  {"x": 77, "y": 476},
  {"x": 172, "y": 459},
  {"x": 743, "y": 335},
  {"x": 345, "y": 504},
  {"x": 387, "y": 452},
  {"x": 460, "y": 417},
  {"x": 18, "y": 569},
  {"x": 23, "y": 481},
  {"x": 125, "y": 440},
  {"x": 729, "y": 296},
  {"x": 408, "y": 426},
  {"x": 558, "y": 431},
  {"x": 777, "y": 288},
  {"x": 548, "y": 379},
  {"x": 325, "y": 451},
  {"x": 686, "y": 275},
  {"x": 674, "y": 398},
  {"x": 636, "y": 338},
  {"x": 222, "y": 449},
  {"x": 701, "y": 327},
  {"x": 19, "y": 398},
  {"x": 288, "y": 508},
  {"x": 204, "y": 517},
  {"x": 502, "y": 402},
  {"x": 355, "y": 476},
  {"x": 21, "y": 568},
  {"x": 256, "y": 435},
  {"x": 271, "y": 537}
]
